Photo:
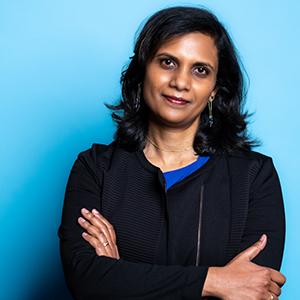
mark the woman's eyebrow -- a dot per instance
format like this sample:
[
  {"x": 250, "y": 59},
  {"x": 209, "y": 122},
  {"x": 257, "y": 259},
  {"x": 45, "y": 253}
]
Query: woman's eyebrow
[{"x": 197, "y": 63}]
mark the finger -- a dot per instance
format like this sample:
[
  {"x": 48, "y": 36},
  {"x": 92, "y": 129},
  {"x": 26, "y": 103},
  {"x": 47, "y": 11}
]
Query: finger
[
  {"x": 99, "y": 247},
  {"x": 271, "y": 296},
  {"x": 92, "y": 230},
  {"x": 275, "y": 289},
  {"x": 99, "y": 226},
  {"x": 96, "y": 244},
  {"x": 108, "y": 225},
  {"x": 96, "y": 232},
  {"x": 117, "y": 253},
  {"x": 97, "y": 222},
  {"x": 253, "y": 250},
  {"x": 277, "y": 277}
]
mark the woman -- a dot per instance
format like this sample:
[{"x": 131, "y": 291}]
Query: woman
[{"x": 178, "y": 206}]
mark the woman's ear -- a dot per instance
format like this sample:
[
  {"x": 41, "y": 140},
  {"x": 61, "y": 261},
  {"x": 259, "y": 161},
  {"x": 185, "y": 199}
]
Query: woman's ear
[{"x": 213, "y": 94}]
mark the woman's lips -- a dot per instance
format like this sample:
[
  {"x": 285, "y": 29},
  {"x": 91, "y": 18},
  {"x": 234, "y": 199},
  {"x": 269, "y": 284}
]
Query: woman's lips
[{"x": 175, "y": 100}]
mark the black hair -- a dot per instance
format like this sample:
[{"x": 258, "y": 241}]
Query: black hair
[{"x": 229, "y": 130}]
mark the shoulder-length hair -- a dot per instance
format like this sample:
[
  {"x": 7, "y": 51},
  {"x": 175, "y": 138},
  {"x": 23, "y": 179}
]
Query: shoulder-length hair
[{"x": 229, "y": 130}]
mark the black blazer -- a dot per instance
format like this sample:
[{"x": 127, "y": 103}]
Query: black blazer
[{"x": 167, "y": 239}]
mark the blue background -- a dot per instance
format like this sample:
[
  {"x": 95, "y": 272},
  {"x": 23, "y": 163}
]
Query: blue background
[{"x": 61, "y": 60}]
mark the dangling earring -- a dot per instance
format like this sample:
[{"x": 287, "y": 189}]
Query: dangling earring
[
  {"x": 210, "y": 115},
  {"x": 137, "y": 101}
]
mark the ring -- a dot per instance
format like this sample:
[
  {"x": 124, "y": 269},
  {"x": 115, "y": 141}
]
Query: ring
[{"x": 106, "y": 243}]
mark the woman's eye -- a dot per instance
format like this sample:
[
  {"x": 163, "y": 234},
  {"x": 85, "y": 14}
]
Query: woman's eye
[
  {"x": 201, "y": 71},
  {"x": 167, "y": 62}
]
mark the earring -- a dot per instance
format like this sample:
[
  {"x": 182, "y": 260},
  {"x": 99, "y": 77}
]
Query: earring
[
  {"x": 137, "y": 101},
  {"x": 210, "y": 114}
]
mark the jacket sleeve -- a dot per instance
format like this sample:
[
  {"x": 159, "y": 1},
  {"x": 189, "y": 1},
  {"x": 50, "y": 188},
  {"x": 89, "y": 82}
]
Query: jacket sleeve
[
  {"x": 266, "y": 215},
  {"x": 89, "y": 276}
]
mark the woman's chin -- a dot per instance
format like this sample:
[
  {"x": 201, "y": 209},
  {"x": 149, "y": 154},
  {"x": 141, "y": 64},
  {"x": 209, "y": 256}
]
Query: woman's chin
[{"x": 175, "y": 121}]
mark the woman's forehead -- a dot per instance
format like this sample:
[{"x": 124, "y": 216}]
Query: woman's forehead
[{"x": 193, "y": 46}]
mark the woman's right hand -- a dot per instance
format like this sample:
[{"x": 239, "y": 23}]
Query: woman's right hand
[
  {"x": 242, "y": 279},
  {"x": 100, "y": 234}
]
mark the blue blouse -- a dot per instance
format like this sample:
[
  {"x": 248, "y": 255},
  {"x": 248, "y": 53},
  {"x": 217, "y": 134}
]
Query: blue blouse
[{"x": 177, "y": 175}]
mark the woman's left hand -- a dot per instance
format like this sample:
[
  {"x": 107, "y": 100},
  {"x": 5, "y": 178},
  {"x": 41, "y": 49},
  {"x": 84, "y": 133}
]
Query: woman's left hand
[{"x": 100, "y": 233}]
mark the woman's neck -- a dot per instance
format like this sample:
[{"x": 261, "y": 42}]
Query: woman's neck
[{"x": 170, "y": 148}]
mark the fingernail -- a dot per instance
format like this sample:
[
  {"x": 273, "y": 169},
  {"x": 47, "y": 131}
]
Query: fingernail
[
  {"x": 262, "y": 238},
  {"x": 81, "y": 219},
  {"x": 85, "y": 211},
  {"x": 95, "y": 211},
  {"x": 84, "y": 234}
]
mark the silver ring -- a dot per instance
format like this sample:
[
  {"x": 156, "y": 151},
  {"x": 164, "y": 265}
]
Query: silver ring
[{"x": 106, "y": 243}]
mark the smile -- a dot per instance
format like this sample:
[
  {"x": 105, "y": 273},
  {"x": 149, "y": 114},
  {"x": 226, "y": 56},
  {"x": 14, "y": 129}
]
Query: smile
[{"x": 176, "y": 100}]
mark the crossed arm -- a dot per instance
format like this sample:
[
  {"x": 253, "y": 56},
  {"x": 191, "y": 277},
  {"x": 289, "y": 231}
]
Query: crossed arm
[
  {"x": 94, "y": 269},
  {"x": 239, "y": 279}
]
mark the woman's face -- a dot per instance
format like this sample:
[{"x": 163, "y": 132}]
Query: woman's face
[{"x": 180, "y": 79}]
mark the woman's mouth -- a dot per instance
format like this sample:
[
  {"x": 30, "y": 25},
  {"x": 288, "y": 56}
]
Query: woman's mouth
[{"x": 176, "y": 100}]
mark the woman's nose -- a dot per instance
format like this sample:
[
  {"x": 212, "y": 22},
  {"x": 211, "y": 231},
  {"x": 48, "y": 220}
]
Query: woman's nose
[{"x": 181, "y": 80}]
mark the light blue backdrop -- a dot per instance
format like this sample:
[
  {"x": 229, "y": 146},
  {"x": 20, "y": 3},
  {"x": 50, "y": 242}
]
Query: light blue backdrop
[{"x": 59, "y": 62}]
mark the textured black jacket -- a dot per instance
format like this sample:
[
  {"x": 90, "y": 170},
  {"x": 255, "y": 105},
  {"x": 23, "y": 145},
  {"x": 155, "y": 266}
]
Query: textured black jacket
[{"x": 167, "y": 239}]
